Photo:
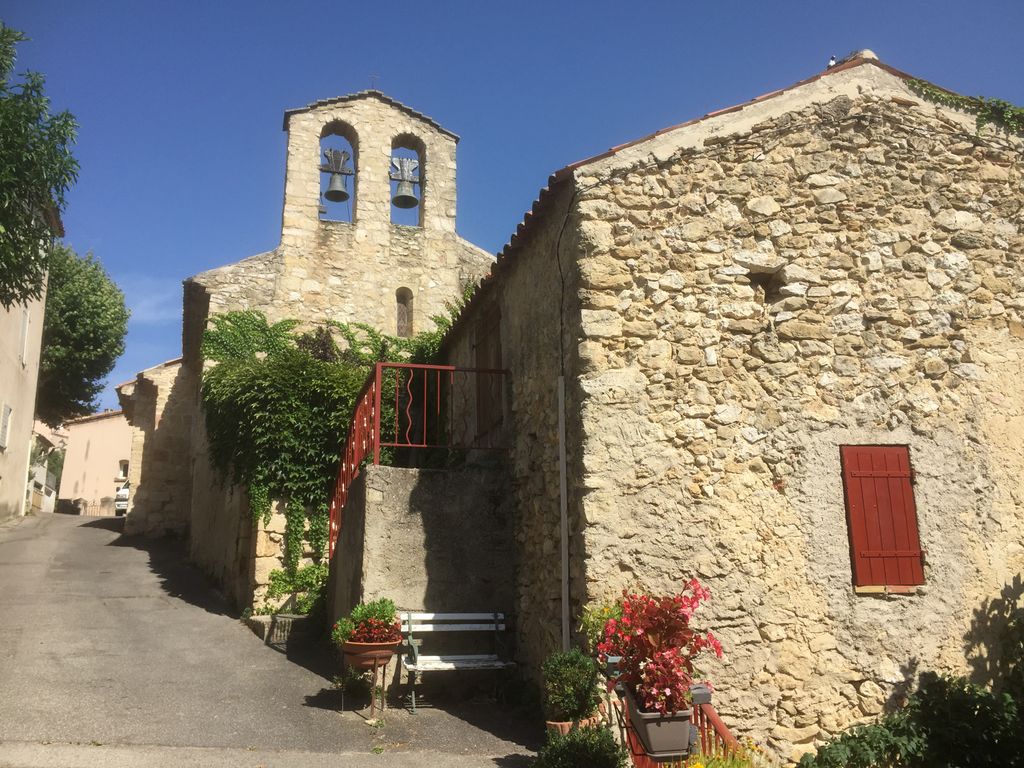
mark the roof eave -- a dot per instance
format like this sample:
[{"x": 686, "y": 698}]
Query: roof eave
[{"x": 380, "y": 96}]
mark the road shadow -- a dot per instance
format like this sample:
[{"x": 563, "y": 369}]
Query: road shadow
[
  {"x": 168, "y": 560},
  {"x": 113, "y": 524},
  {"x": 313, "y": 653},
  {"x": 514, "y": 761},
  {"x": 504, "y": 723}
]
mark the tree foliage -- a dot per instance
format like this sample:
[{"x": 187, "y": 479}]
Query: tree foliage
[
  {"x": 83, "y": 335},
  {"x": 947, "y": 723},
  {"x": 36, "y": 169}
]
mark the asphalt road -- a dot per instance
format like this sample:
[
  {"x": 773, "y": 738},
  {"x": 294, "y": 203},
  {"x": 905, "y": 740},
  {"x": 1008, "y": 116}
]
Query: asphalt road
[{"x": 116, "y": 652}]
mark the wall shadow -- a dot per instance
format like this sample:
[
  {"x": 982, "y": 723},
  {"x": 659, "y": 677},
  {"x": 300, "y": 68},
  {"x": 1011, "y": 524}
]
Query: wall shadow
[
  {"x": 514, "y": 761},
  {"x": 168, "y": 560},
  {"x": 994, "y": 644},
  {"x": 468, "y": 557},
  {"x": 114, "y": 524},
  {"x": 901, "y": 691}
]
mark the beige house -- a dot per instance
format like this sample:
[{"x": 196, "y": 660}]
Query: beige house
[
  {"x": 96, "y": 461},
  {"x": 790, "y": 336},
  {"x": 21, "y": 333}
]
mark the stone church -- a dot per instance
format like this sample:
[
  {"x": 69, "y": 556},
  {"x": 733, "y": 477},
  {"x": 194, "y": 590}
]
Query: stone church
[
  {"x": 776, "y": 348},
  {"x": 354, "y": 259}
]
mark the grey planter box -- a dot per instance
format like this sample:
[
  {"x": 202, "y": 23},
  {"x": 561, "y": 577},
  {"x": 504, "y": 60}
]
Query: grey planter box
[{"x": 663, "y": 737}]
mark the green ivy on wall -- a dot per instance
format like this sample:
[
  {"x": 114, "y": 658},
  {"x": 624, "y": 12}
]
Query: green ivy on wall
[
  {"x": 986, "y": 111},
  {"x": 277, "y": 404}
]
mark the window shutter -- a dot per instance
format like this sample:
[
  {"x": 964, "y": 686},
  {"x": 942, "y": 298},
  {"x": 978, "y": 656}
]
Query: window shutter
[
  {"x": 5, "y": 425},
  {"x": 882, "y": 519},
  {"x": 24, "y": 335}
]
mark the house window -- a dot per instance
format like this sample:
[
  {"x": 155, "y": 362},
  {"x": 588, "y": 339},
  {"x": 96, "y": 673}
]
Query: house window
[
  {"x": 403, "y": 302},
  {"x": 5, "y": 426},
  {"x": 884, "y": 544},
  {"x": 122, "y": 469}
]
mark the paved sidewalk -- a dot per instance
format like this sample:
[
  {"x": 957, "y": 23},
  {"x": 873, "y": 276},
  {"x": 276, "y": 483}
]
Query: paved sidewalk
[{"x": 116, "y": 652}]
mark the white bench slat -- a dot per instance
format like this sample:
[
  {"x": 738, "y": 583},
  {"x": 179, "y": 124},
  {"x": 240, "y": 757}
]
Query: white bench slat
[
  {"x": 450, "y": 616},
  {"x": 456, "y": 662},
  {"x": 416, "y": 628}
]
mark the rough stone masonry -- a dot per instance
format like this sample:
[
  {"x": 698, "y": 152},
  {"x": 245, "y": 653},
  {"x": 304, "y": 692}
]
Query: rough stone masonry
[{"x": 844, "y": 273}]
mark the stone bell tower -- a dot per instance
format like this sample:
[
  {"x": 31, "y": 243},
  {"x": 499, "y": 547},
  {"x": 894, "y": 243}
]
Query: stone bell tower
[{"x": 368, "y": 229}]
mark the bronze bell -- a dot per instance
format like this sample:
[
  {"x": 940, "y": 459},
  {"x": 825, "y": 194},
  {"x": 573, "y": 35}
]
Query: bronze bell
[
  {"x": 405, "y": 197},
  {"x": 336, "y": 191},
  {"x": 404, "y": 172}
]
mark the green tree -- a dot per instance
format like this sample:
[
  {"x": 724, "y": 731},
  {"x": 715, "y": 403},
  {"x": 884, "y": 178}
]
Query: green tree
[
  {"x": 36, "y": 169},
  {"x": 83, "y": 335}
]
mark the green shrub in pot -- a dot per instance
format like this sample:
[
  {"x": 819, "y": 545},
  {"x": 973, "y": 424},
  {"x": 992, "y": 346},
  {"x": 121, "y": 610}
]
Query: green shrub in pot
[{"x": 571, "y": 690}]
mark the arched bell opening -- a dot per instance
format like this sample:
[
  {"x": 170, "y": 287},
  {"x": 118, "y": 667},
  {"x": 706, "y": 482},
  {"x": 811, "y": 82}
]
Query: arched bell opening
[
  {"x": 339, "y": 148},
  {"x": 403, "y": 306},
  {"x": 408, "y": 180}
]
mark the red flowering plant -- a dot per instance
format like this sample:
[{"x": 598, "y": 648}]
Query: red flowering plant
[
  {"x": 369, "y": 623},
  {"x": 657, "y": 646}
]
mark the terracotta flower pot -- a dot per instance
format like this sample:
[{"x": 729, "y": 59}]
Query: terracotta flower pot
[
  {"x": 366, "y": 655},
  {"x": 563, "y": 728},
  {"x": 661, "y": 735}
]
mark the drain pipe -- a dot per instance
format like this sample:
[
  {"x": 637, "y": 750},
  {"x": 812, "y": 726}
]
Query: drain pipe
[{"x": 563, "y": 513}]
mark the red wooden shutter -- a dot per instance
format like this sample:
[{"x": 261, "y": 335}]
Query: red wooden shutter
[{"x": 884, "y": 542}]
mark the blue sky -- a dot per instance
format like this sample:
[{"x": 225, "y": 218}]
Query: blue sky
[{"x": 180, "y": 103}]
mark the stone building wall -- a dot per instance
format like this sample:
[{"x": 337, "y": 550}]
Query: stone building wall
[
  {"x": 840, "y": 265},
  {"x": 158, "y": 406},
  {"x": 434, "y": 540},
  {"x": 533, "y": 292}
]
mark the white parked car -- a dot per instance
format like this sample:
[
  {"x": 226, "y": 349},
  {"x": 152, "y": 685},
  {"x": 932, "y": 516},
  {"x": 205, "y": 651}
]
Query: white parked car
[{"x": 121, "y": 499}]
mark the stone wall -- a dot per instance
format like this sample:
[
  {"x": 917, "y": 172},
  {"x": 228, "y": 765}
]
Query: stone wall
[
  {"x": 158, "y": 405},
  {"x": 534, "y": 293},
  {"x": 845, "y": 269},
  {"x": 435, "y": 540},
  {"x": 221, "y": 540}
]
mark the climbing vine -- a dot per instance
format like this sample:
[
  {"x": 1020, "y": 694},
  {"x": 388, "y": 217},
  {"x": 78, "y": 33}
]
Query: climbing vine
[
  {"x": 986, "y": 111},
  {"x": 276, "y": 403}
]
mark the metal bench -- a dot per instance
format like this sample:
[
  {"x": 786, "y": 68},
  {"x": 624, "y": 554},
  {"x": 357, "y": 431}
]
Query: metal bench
[{"x": 415, "y": 663}]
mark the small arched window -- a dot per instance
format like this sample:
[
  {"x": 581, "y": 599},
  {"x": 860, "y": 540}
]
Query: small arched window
[
  {"x": 403, "y": 303},
  {"x": 338, "y": 158},
  {"x": 408, "y": 180}
]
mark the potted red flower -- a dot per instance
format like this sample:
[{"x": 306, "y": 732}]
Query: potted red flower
[
  {"x": 657, "y": 647},
  {"x": 369, "y": 635}
]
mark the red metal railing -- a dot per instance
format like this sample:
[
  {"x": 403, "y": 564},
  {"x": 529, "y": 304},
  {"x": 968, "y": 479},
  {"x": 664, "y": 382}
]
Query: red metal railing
[
  {"x": 713, "y": 738},
  {"x": 405, "y": 407},
  {"x": 713, "y": 735}
]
